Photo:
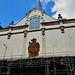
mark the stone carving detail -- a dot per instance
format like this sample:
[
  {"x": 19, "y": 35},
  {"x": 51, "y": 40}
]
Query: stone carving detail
[
  {"x": 33, "y": 48},
  {"x": 62, "y": 29},
  {"x": 25, "y": 33},
  {"x": 9, "y": 35},
  {"x": 43, "y": 31}
]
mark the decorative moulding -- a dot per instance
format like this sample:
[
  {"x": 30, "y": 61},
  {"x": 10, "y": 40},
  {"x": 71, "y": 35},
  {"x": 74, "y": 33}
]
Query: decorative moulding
[
  {"x": 9, "y": 35},
  {"x": 35, "y": 8}
]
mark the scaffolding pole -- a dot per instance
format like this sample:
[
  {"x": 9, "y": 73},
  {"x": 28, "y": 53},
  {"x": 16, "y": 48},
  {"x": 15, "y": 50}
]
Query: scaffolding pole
[{"x": 47, "y": 70}]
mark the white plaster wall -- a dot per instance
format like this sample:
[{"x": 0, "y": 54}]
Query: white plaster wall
[
  {"x": 14, "y": 45},
  {"x": 47, "y": 18},
  {"x": 22, "y": 22},
  {"x": 60, "y": 44},
  {"x": 53, "y": 43}
]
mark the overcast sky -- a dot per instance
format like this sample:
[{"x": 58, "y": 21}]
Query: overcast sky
[{"x": 16, "y": 9}]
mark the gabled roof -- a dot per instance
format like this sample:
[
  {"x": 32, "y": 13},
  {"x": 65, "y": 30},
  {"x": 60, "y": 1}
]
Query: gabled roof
[{"x": 35, "y": 8}]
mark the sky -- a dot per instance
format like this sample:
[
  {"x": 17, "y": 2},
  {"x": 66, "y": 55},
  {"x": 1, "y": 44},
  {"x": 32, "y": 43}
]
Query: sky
[{"x": 15, "y": 10}]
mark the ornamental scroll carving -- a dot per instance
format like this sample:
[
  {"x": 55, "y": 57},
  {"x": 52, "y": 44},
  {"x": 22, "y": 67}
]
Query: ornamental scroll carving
[{"x": 33, "y": 48}]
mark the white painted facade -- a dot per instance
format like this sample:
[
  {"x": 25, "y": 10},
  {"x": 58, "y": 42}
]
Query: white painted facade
[
  {"x": 35, "y": 13},
  {"x": 53, "y": 43}
]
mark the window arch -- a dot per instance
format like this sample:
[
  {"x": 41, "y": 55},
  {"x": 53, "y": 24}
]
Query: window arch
[{"x": 34, "y": 23}]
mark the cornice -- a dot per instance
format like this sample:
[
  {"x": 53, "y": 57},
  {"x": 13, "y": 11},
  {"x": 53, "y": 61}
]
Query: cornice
[
  {"x": 14, "y": 28},
  {"x": 64, "y": 21}
]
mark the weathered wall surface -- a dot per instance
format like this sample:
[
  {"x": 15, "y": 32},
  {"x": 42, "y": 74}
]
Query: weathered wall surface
[{"x": 52, "y": 43}]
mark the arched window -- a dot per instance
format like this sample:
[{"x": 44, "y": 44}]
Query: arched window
[{"x": 34, "y": 23}]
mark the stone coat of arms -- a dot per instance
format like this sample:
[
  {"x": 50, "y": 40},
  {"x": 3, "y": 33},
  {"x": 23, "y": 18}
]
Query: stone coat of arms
[{"x": 33, "y": 48}]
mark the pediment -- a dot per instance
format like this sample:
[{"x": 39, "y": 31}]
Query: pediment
[
  {"x": 35, "y": 8},
  {"x": 35, "y": 13}
]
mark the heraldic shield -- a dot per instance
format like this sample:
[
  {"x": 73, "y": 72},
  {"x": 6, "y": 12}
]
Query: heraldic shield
[{"x": 33, "y": 48}]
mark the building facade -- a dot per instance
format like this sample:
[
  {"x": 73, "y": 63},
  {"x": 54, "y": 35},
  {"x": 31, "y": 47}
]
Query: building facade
[{"x": 38, "y": 45}]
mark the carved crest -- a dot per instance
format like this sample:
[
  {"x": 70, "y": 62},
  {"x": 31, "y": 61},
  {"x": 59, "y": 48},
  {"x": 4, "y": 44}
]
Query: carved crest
[{"x": 33, "y": 48}]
